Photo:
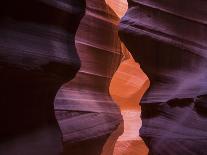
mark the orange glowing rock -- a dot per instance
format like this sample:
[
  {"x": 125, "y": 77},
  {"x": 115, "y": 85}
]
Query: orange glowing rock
[
  {"x": 118, "y": 6},
  {"x": 129, "y": 81},
  {"x": 128, "y": 84},
  {"x": 126, "y": 88},
  {"x": 130, "y": 148}
]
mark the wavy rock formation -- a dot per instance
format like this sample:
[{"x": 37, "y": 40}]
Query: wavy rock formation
[
  {"x": 126, "y": 88},
  {"x": 168, "y": 39},
  {"x": 86, "y": 114},
  {"x": 37, "y": 55}
]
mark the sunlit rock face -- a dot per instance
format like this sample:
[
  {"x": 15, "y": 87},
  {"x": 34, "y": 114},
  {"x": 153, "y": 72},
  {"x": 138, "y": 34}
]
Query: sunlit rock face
[
  {"x": 84, "y": 109},
  {"x": 37, "y": 55},
  {"x": 119, "y": 7},
  {"x": 168, "y": 39},
  {"x": 127, "y": 86}
]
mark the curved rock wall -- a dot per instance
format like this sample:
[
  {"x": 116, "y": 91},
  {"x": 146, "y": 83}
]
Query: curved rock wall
[
  {"x": 37, "y": 55},
  {"x": 84, "y": 109},
  {"x": 126, "y": 88},
  {"x": 168, "y": 39}
]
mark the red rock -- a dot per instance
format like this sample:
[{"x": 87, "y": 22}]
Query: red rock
[{"x": 86, "y": 113}]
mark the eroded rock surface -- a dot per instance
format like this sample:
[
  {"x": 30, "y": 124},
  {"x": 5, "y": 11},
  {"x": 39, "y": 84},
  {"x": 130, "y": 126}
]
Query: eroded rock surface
[
  {"x": 37, "y": 55},
  {"x": 84, "y": 109},
  {"x": 168, "y": 39}
]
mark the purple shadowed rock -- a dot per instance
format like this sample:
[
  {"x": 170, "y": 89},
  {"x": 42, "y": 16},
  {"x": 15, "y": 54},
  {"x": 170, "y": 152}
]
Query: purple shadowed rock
[{"x": 168, "y": 39}]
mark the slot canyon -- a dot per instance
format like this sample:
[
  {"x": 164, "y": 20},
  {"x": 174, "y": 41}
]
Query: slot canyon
[{"x": 103, "y": 77}]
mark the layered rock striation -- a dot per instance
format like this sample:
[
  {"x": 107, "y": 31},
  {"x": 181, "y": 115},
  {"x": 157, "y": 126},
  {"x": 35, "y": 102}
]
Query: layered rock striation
[
  {"x": 86, "y": 113},
  {"x": 168, "y": 39},
  {"x": 37, "y": 55}
]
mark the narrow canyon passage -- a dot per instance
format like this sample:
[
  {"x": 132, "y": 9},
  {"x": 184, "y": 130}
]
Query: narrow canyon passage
[
  {"x": 103, "y": 77},
  {"x": 127, "y": 88}
]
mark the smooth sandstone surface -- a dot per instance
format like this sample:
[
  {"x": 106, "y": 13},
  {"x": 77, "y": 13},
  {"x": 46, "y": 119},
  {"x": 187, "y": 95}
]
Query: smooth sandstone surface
[
  {"x": 168, "y": 39},
  {"x": 169, "y": 42},
  {"x": 126, "y": 88},
  {"x": 40, "y": 51},
  {"x": 85, "y": 111},
  {"x": 37, "y": 56}
]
